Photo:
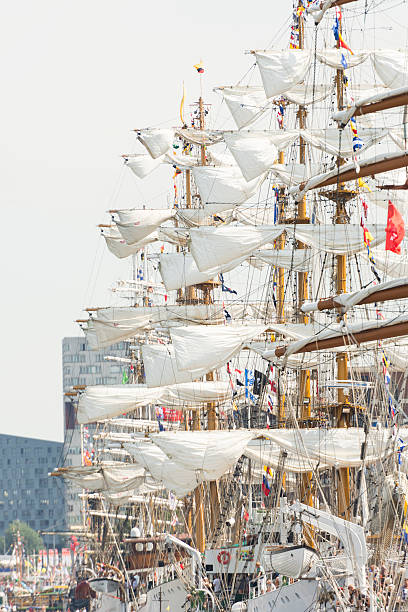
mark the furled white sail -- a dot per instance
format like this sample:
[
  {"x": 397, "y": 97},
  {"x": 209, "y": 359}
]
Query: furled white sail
[
  {"x": 217, "y": 246},
  {"x": 307, "y": 93},
  {"x": 334, "y": 447},
  {"x": 293, "y": 173},
  {"x": 391, "y": 66},
  {"x": 254, "y": 152},
  {"x": 298, "y": 260},
  {"x": 390, "y": 263},
  {"x": 340, "y": 143},
  {"x": 345, "y": 301},
  {"x": 113, "y": 477},
  {"x": 282, "y": 70},
  {"x": 160, "y": 366},
  {"x": 200, "y": 137},
  {"x": 118, "y": 245},
  {"x": 204, "y": 216},
  {"x": 143, "y": 164},
  {"x": 246, "y": 104},
  {"x": 143, "y": 223},
  {"x": 338, "y": 239},
  {"x": 164, "y": 470},
  {"x": 317, "y": 181},
  {"x": 211, "y": 453},
  {"x": 103, "y": 402},
  {"x": 334, "y": 57},
  {"x": 157, "y": 141},
  {"x": 114, "y": 324},
  {"x": 344, "y": 116},
  {"x": 343, "y": 330},
  {"x": 208, "y": 348},
  {"x": 180, "y": 270},
  {"x": 224, "y": 184}
]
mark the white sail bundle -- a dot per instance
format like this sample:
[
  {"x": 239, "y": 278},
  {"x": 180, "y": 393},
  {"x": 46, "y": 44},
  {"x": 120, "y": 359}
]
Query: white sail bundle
[
  {"x": 344, "y": 116},
  {"x": 142, "y": 164},
  {"x": 334, "y": 447},
  {"x": 247, "y": 104},
  {"x": 114, "y": 324},
  {"x": 160, "y": 366},
  {"x": 212, "y": 247},
  {"x": 345, "y": 301},
  {"x": 282, "y": 70},
  {"x": 287, "y": 175},
  {"x": 199, "y": 137},
  {"x": 179, "y": 270},
  {"x": 334, "y": 57},
  {"x": 198, "y": 348},
  {"x": 390, "y": 263},
  {"x": 256, "y": 152},
  {"x": 118, "y": 246},
  {"x": 340, "y": 144},
  {"x": 343, "y": 331},
  {"x": 337, "y": 239},
  {"x": 205, "y": 216},
  {"x": 337, "y": 175},
  {"x": 304, "y": 94},
  {"x": 210, "y": 453},
  {"x": 157, "y": 141},
  {"x": 113, "y": 477},
  {"x": 224, "y": 185},
  {"x": 170, "y": 474},
  {"x": 142, "y": 223},
  {"x": 298, "y": 260},
  {"x": 102, "y": 402},
  {"x": 391, "y": 65}
]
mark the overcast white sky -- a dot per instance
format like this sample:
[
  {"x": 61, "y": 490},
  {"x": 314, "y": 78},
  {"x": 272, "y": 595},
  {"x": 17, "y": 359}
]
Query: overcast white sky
[{"x": 76, "y": 77}]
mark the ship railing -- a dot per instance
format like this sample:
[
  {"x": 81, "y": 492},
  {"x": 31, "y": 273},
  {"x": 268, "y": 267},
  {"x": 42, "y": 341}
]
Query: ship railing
[{"x": 265, "y": 584}]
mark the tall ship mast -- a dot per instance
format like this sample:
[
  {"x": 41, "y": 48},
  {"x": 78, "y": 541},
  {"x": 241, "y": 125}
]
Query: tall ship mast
[{"x": 254, "y": 457}]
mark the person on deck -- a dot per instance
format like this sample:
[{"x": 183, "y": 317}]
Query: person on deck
[{"x": 83, "y": 595}]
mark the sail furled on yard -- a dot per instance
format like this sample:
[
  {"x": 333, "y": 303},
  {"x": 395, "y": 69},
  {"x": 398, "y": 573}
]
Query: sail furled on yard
[
  {"x": 282, "y": 70},
  {"x": 217, "y": 184},
  {"x": 113, "y": 477},
  {"x": 219, "y": 246},
  {"x": 209, "y": 348},
  {"x": 141, "y": 223},
  {"x": 103, "y": 402},
  {"x": 180, "y": 270},
  {"x": 169, "y": 473},
  {"x": 157, "y": 141},
  {"x": 118, "y": 246}
]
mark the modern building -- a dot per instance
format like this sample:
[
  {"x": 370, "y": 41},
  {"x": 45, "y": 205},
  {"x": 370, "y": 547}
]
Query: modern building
[
  {"x": 27, "y": 493},
  {"x": 83, "y": 366}
]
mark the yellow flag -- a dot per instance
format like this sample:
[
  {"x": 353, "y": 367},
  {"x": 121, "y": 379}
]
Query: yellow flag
[
  {"x": 182, "y": 106},
  {"x": 362, "y": 184}
]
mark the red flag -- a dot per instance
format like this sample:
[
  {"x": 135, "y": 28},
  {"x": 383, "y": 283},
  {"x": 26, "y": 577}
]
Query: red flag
[{"x": 395, "y": 230}]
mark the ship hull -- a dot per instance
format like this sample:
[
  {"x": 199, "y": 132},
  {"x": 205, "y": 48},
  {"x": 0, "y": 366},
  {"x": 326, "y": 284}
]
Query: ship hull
[
  {"x": 170, "y": 593},
  {"x": 297, "y": 597}
]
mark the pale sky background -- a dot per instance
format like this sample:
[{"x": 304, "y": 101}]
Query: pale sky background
[{"x": 76, "y": 78}]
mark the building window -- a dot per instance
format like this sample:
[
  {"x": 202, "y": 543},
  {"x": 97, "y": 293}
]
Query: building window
[
  {"x": 67, "y": 370},
  {"x": 70, "y": 419}
]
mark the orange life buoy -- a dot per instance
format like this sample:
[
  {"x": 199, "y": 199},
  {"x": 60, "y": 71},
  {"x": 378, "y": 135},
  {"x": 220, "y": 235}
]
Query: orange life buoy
[{"x": 224, "y": 557}]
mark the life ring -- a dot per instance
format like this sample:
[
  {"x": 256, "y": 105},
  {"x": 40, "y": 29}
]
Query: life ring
[{"x": 224, "y": 557}]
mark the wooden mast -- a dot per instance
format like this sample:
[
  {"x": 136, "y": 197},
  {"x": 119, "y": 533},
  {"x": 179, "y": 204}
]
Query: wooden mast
[
  {"x": 304, "y": 379},
  {"x": 342, "y": 418}
]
